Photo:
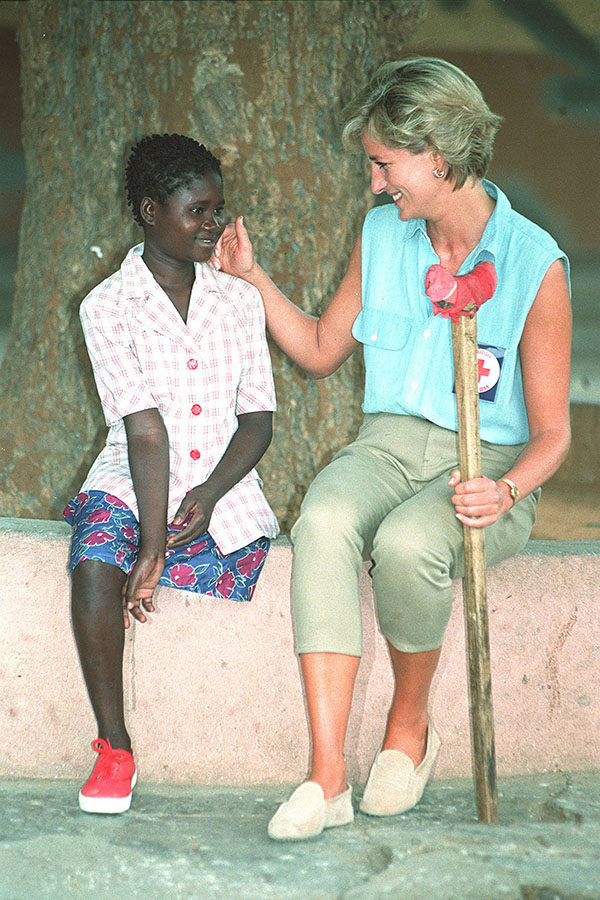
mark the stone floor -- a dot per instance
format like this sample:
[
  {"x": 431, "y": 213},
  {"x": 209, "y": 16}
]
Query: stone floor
[{"x": 200, "y": 843}]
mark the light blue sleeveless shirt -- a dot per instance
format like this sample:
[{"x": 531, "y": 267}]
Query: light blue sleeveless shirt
[{"x": 408, "y": 350}]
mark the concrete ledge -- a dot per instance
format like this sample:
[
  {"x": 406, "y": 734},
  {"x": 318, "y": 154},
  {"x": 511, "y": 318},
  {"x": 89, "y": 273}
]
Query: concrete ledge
[{"x": 213, "y": 691}]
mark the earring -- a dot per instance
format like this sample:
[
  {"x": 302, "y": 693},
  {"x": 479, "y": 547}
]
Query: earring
[{"x": 439, "y": 173}]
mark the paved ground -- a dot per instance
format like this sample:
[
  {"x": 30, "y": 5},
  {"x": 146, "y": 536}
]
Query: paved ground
[{"x": 200, "y": 843}]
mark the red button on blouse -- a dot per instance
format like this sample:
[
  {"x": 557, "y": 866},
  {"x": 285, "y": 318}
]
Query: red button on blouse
[
  {"x": 196, "y": 409},
  {"x": 192, "y": 363},
  {"x": 195, "y": 454}
]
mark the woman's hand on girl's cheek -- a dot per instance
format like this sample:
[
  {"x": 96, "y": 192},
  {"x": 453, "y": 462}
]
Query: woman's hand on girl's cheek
[{"x": 233, "y": 253}]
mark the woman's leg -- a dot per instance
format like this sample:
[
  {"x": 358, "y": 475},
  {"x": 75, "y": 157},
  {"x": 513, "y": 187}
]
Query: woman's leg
[
  {"x": 408, "y": 718},
  {"x": 418, "y": 551},
  {"x": 97, "y": 615},
  {"x": 338, "y": 519},
  {"x": 343, "y": 509},
  {"x": 328, "y": 683}
]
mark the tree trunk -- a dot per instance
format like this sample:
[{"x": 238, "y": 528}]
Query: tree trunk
[{"x": 262, "y": 84}]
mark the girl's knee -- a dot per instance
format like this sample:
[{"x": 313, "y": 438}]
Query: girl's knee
[{"x": 95, "y": 584}]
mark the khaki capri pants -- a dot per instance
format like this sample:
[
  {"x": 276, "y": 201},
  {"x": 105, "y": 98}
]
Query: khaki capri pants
[{"x": 386, "y": 498}]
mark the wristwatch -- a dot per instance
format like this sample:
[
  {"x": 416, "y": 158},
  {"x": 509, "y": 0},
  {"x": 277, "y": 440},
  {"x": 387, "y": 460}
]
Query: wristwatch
[{"x": 514, "y": 490}]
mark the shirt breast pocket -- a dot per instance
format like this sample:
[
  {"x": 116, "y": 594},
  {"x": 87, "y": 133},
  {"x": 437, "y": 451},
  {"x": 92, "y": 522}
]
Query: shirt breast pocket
[{"x": 382, "y": 330}]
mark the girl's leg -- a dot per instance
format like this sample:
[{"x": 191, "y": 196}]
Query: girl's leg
[
  {"x": 329, "y": 683},
  {"x": 408, "y": 719},
  {"x": 97, "y": 615}
]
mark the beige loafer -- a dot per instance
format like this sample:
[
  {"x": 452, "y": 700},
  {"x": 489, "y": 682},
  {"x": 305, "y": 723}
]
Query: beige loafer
[
  {"x": 307, "y": 813},
  {"x": 394, "y": 785}
]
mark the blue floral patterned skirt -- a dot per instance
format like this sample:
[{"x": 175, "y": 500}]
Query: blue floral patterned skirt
[{"x": 104, "y": 528}]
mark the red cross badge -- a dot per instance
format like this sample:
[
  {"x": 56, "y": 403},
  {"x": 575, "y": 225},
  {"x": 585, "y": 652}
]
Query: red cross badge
[{"x": 488, "y": 369}]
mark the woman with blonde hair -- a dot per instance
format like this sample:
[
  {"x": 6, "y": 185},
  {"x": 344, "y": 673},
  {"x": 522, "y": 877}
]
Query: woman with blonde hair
[{"x": 395, "y": 496}]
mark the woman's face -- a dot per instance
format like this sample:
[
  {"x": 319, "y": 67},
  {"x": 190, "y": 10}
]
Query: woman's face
[
  {"x": 407, "y": 177},
  {"x": 187, "y": 227}
]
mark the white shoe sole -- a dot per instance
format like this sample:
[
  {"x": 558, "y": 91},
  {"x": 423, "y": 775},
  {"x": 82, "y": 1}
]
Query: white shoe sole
[
  {"x": 107, "y": 805},
  {"x": 307, "y": 813}
]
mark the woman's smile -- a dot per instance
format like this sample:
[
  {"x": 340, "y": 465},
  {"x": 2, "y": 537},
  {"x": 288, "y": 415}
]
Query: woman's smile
[{"x": 392, "y": 167}]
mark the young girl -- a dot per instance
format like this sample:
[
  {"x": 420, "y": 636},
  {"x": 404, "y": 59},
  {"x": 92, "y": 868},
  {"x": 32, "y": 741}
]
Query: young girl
[{"x": 183, "y": 372}]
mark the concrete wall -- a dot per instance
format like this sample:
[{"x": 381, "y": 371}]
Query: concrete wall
[{"x": 213, "y": 691}]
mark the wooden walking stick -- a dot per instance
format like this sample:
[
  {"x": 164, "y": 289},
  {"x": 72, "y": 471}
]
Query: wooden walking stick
[{"x": 458, "y": 299}]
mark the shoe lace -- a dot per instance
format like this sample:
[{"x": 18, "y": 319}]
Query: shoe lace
[{"x": 109, "y": 759}]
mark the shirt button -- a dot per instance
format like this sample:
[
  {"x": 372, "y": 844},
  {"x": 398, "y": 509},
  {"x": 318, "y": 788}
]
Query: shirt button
[
  {"x": 195, "y": 454},
  {"x": 192, "y": 363},
  {"x": 414, "y": 385},
  {"x": 196, "y": 409},
  {"x": 427, "y": 334}
]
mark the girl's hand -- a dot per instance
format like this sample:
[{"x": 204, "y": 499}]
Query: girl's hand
[
  {"x": 478, "y": 502},
  {"x": 233, "y": 253},
  {"x": 139, "y": 588},
  {"x": 194, "y": 514}
]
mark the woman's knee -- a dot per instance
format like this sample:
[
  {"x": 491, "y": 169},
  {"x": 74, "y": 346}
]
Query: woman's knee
[
  {"x": 326, "y": 516},
  {"x": 404, "y": 548},
  {"x": 414, "y": 621},
  {"x": 413, "y": 588}
]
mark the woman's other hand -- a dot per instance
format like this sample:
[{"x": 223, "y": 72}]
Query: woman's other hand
[
  {"x": 233, "y": 253},
  {"x": 478, "y": 502}
]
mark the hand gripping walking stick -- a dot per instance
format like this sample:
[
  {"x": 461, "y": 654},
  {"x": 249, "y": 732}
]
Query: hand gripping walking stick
[{"x": 459, "y": 298}]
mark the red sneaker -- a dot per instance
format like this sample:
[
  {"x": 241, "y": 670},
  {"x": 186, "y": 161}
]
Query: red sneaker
[{"x": 109, "y": 787}]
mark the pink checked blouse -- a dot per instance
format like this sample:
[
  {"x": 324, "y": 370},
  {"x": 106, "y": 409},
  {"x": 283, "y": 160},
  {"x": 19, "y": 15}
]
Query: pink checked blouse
[{"x": 200, "y": 375}]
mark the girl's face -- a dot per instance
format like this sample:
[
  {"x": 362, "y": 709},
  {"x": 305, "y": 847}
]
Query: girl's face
[
  {"x": 407, "y": 177},
  {"x": 187, "y": 227}
]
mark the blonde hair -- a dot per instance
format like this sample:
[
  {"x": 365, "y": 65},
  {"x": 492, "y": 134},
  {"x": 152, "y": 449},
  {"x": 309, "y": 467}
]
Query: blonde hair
[{"x": 424, "y": 103}]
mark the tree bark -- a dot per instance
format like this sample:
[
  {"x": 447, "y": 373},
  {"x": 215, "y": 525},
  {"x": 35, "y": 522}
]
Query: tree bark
[{"x": 262, "y": 84}]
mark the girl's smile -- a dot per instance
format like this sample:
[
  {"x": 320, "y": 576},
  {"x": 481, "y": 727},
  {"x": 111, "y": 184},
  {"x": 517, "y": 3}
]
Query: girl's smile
[{"x": 188, "y": 225}]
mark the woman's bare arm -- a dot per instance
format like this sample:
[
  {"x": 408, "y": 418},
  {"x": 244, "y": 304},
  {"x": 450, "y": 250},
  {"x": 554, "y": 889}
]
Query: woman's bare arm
[
  {"x": 545, "y": 352},
  {"x": 319, "y": 345}
]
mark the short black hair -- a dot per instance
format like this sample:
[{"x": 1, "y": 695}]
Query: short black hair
[{"x": 159, "y": 164}]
